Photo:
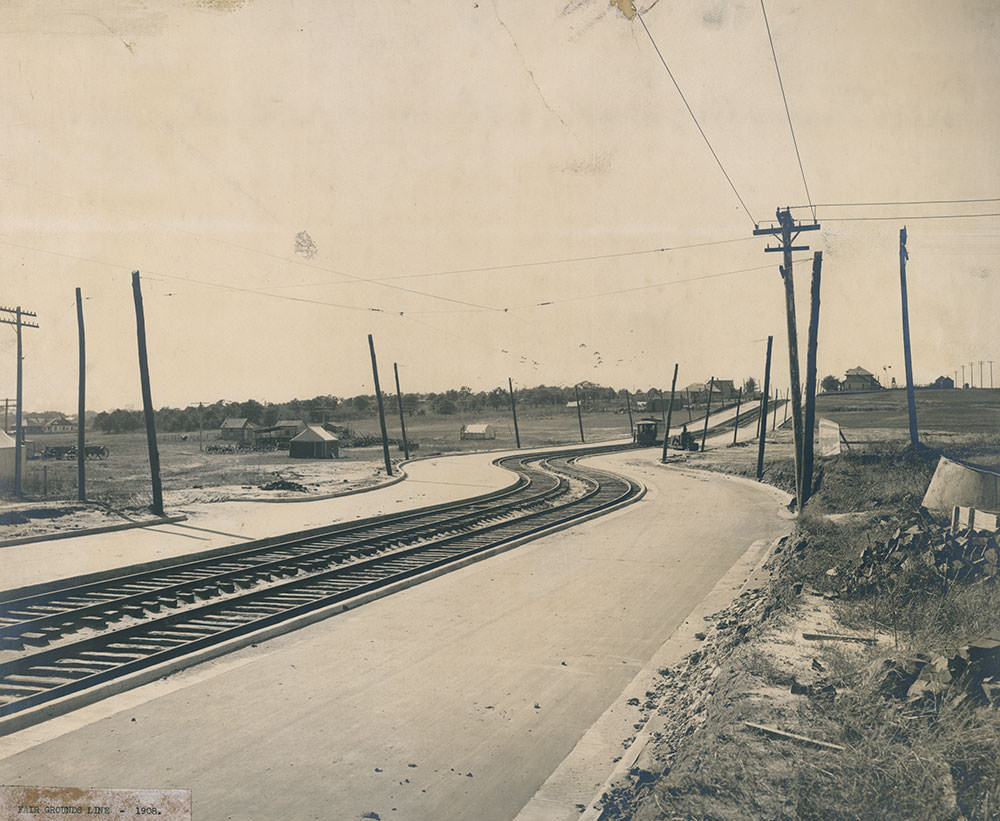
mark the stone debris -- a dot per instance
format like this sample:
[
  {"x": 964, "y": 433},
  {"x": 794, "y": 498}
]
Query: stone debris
[
  {"x": 972, "y": 673},
  {"x": 924, "y": 545}
]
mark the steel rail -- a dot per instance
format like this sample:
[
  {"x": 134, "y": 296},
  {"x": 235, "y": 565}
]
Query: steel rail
[{"x": 38, "y": 678}]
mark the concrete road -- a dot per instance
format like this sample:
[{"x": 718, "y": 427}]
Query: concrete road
[{"x": 453, "y": 699}]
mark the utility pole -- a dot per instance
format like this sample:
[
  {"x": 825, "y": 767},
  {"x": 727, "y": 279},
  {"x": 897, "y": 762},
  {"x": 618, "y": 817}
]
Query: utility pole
[
  {"x": 736, "y": 423},
  {"x": 972, "y": 375},
  {"x": 663, "y": 407},
  {"x": 911, "y": 403},
  {"x": 982, "y": 384},
  {"x": 628, "y": 405},
  {"x": 690, "y": 418},
  {"x": 147, "y": 397},
  {"x": 788, "y": 229},
  {"x": 381, "y": 409},
  {"x": 991, "y": 374},
  {"x": 81, "y": 411},
  {"x": 402, "y": 424},
  {"x": 963, "y": 377},
  {"x": 810, "y": 417},
  {"x": 763, "y": 410},
  {"x": 670, "y": 411},
  {"x": 18, "y": 322},
  {"x": 579, "y": 414},
  {"x": 513, "y": 410},
  {"x": 708, "y": 407}
]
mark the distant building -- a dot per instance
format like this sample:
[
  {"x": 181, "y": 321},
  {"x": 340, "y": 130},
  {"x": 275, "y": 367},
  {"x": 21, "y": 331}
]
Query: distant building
[
  {"x": 944, "y": 383},
  {"x": 478, "y": 432},
  {"x": 314, "y": 443},
  {"x": 858, "y": 379},
  {"x": 237, "y": 430},
  {"x": 59, "y": 424}
]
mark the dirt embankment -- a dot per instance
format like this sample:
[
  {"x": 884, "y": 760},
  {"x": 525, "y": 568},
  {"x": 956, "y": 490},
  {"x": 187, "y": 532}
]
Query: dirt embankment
[{"x": 857, "y": 677}]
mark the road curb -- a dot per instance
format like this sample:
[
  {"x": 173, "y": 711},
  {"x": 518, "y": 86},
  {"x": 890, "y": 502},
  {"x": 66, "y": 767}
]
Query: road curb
[{"x": 552, "y": 800}]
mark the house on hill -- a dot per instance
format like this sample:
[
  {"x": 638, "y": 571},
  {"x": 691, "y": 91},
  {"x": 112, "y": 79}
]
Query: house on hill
[
  {"x": 237, "y": 430},
  {"x": 314, "y": 443},
  {"x": 858, "y": 379}
]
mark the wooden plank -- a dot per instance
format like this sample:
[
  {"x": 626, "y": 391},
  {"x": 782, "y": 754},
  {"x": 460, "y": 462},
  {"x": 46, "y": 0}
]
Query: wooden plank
[{"x": 784, "y": 735}]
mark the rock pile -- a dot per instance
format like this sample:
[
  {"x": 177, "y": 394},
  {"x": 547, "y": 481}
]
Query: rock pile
[{"x": 923, "y": 547}]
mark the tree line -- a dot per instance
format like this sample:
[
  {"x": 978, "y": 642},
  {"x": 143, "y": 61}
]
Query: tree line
[{"x": 336, "y": 409}]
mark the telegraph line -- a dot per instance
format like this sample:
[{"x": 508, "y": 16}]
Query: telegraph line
[
  {"x": 899, "y": 202},
  {"x": 788, "y": 114},
  {"x": 911, "y": 217},
  {"x": 695, "y": 119}
]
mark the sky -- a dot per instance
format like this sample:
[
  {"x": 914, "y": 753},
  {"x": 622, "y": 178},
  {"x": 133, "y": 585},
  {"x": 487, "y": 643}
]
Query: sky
[{"x": 490, "y": 188}]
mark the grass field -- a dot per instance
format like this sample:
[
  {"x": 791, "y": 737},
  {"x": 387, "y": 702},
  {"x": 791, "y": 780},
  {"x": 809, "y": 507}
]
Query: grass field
[
  {"x": 948, "y": 420},
  {"x": 123, "y": 480},
  {"x": 939, "y": 412}
]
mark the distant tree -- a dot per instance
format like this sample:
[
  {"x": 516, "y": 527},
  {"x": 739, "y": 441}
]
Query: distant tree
[
  {"x": 750, "y": 386},
  {"x": 830, "y": 384},
  {"x": 444, "y": 406},
  {"x": 360, "y": 403}
]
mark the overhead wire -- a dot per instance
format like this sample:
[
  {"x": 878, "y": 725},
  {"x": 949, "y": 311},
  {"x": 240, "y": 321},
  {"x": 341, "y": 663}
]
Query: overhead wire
[
  {"x": 540, "y": 263},
  {"x": 911, "y": 217},
  {"x": 899, "y": 202},
  {"x": 695, "y": 119},
  {"x": 788, "y": 113}
]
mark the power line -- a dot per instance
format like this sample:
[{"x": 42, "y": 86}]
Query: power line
[
  {"x": 901, "y": 202},
  {"x": 699, "y": 278},
  {"x": 911, "y": 217},
  {"x": 788, "y": 114},
  {"x": 535, "y": 263},
  {"x": 695, "y": 119}
]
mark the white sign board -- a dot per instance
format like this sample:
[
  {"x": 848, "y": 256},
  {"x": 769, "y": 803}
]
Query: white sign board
[{"x": 829, "y": 438}]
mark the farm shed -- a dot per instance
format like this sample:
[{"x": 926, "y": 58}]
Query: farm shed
[
  {"x": 237, "y": 430},
  {"x": 314, "y": 443},
  {"x": 478, "y": 432},
  {"x": 7, "y": 460}
]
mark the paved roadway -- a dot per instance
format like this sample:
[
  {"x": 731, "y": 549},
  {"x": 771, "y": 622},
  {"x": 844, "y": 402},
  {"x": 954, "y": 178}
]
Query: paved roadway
[{"x": 453, "y": 699}]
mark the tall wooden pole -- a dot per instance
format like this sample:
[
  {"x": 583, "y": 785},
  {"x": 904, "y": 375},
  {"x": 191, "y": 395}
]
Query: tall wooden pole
[
  {"x": 18, "y": 413},
  {"x": 628, "y": 405},
  {"x": 513, "y": 410},
  {"x": 670, "y": 411},
  {"x": 381, "y": 409},
  {"x": 910, "y": 399},
  {"x": 810, "y": 412},
  {"x": 147, "y": 397},
  {"x": 708, "y": 407},
  {"x": 402, "y": 423},
  {"x": 763, "y": 410},
  {"x": 81, "y": 411},
  {"x": 736, "y": 423},
  {"x": 579, "y": 414},
  {"x": 786, "y": 226}
]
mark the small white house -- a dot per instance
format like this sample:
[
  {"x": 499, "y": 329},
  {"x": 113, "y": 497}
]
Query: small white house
[{"x": 478, "y": 432}]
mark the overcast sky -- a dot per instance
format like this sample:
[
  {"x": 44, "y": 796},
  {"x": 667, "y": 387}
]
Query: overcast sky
[{"x": 289, "y": 177}]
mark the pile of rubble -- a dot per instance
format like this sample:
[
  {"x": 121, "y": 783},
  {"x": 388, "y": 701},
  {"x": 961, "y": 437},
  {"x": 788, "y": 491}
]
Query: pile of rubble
[
  {"x": 924, "y": 545},
  {"x": 973, "y": 673}
]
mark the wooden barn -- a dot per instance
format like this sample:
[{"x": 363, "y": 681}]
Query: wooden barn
[
  {"x": 237, "y": 430},
  {"x": 314, "y": 443}
]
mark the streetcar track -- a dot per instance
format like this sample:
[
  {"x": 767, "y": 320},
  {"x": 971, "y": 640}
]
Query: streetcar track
[{"x": 74, "y": 639}]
